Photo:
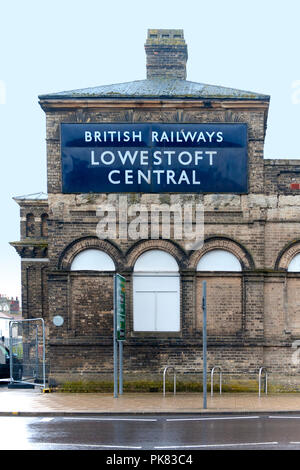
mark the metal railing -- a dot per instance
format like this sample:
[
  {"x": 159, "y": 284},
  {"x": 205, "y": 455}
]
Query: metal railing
[
  {"x": 259, "y": 380},
  {"x": 212, "y": 380},
  {"x": 219, "y": 369},
  {"x": 164, "y": 379}
]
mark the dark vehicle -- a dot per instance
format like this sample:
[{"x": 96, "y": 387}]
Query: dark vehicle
[{"x": 5, "y": 365}]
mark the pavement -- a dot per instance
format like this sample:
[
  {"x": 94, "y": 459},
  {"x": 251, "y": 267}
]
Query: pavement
[{"x": 27, "y": 402}]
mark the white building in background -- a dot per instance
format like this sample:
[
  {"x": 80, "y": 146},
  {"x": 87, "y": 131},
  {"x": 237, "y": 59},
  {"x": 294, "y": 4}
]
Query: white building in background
[{"x": 9, "y": 310}]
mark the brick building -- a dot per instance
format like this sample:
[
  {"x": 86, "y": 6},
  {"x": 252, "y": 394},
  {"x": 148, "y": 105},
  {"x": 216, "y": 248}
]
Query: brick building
[
  {"x": 250, "y": 256},
  {"x": 9, "y": 305},
  {"x": 9, "y": 310}
]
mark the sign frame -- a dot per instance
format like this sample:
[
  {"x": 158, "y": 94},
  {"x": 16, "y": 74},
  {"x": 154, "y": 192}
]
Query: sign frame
[{"x": 85, "y": 180}]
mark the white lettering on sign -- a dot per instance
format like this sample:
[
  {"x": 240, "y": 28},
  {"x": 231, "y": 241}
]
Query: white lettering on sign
[
  {"x": 113, "y": 136},
  {"x": 156, "y": 137},
  {"x": 187, "y": 136},
  {"x": 142, "y": 157},
  {"x": 154, "y": 176},
  {"x": 113, "y": 181}
]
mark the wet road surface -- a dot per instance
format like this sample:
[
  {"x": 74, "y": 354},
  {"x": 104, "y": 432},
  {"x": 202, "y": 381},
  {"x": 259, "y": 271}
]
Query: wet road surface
[{"x": 157, "y": 433}]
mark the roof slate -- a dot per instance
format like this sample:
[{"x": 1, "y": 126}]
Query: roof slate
[{"x": 158, "y": 88}]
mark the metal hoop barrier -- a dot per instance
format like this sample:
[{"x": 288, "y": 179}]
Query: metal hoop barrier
[
  {"x": 164, "y": 379},
  {"x": 212, "y": 380},
  {"x": 259, "y": 380}
]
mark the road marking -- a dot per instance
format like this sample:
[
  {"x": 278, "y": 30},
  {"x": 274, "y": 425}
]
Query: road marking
[
  {"x": 219, "y": 445},
  {"x": 46, "y": 420},
  {"x": 213, "y": 418},
  {"x": 112, "y": 419},
  {"x": 104, "y": 446},
  {"x": 284, "y": 417}
]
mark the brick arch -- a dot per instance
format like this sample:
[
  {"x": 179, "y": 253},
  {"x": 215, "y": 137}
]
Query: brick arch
[
  {"x": 286, "y": 255},
  {"x": 145, "y": 245},
  {"x": 222, "y": 243},
  {"x": 86, "y": 243}
]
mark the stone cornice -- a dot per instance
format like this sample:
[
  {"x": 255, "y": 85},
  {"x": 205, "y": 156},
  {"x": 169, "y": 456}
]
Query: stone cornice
[
  {"x": 31, "y": 202},
  {"x": 31, "y": 248},
  {"x": 93, "y": 103}
]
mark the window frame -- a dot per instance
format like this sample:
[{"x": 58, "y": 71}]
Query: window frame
[{"x": 157, "y": 292}]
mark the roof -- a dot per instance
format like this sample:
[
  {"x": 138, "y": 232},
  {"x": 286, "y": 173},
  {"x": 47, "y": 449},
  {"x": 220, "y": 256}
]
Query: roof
[
  {"x": 36, "y": 199},
  {"x": 33, "y": 197},
  {"x": 158, "y": 88}
]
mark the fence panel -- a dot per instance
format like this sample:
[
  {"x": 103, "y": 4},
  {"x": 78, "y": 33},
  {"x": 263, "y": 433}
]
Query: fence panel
[{"x": 27, "y": 351}]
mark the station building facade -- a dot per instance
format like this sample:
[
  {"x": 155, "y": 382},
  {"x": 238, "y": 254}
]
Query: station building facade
[{"x": 250, "y": 256}]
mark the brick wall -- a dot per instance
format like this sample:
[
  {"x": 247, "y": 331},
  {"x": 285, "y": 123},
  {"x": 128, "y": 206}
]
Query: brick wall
[
  {"x": 282, "y": 176},
  {"x": 92, "y": 305},
  {"x": 224, "y": 305},
  {"x": 253, "y": 316},
  {"x": 241, "y": 309}
]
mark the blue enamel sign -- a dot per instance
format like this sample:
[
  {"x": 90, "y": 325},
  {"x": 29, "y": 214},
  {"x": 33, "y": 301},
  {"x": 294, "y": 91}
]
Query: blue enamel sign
[{"x": 154, "y": 158}]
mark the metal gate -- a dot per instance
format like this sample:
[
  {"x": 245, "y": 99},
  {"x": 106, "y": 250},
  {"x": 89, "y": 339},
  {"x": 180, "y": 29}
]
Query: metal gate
[{"x": 27, "y": 352}]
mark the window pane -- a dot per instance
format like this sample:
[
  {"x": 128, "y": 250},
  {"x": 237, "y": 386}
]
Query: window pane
[
  {"x": 92, "y": 260},
  {"x": 219, "y": 260},
  {"x": 294, "y": 265},
  {"x": 156, "y": 283},
  {"x": 144, "y": 311},
  {"x": 156, "y": 303},
  {"x": 156, "y": 260},
  {"x": 167, "y": 312}
]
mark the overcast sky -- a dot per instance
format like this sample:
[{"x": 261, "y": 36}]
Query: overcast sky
[{"x": 49, "y": 46}]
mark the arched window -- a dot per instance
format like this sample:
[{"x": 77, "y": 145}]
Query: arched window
[
  {"x": 290, "y": 307},
  {"x": 44, "y": 225},
  {"x": 92, "y": 260},
  {"x": 224, "y": 292},
  {"x": 219, "y": 260},
  {"x": 294, "y": 265},
  {"x": 156, "y": 292},
  {"x": 30, "y": 225}
]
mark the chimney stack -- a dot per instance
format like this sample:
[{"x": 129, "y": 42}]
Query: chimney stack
[{"x": 166, "y": 53}]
